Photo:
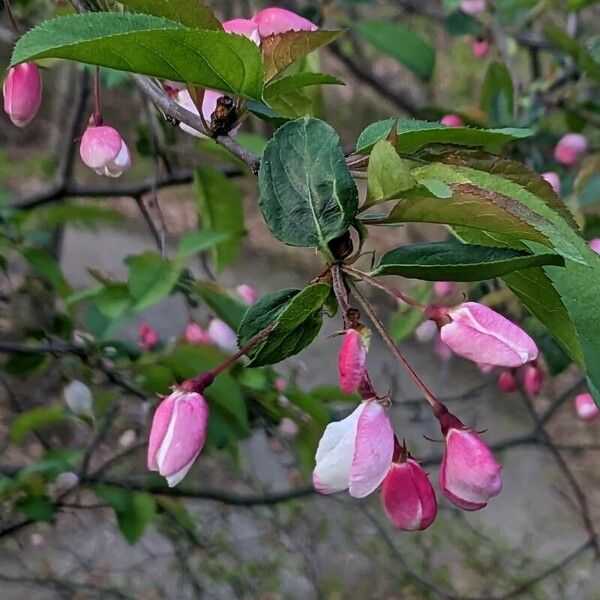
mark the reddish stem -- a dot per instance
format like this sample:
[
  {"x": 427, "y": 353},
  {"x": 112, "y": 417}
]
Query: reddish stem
[
  {"x": 97, "y": 116},
  {"x": 11, "y": 16}
]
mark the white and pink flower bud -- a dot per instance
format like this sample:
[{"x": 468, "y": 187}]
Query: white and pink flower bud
[
  {"x": 443, "y": 288},
  {"x": 194, "y": 334},
  {"x": 533, "y": 379},
  {"x": 352, "y": 359},
  {"x": 223, "y": 336},
  {"x": 147, "y": 337},
  {"x": 426, "y": 332},
  {"x": 22, "y": 91},
  {"x": 554, "y": 180},
  {"x": 586, "y": 407},
  {"x": 102, "y": 149},
  {"x": 472, "y": 7},
  {"x": 247, "y": 293},
  {"x": 480, "y": 334},
  {"x": 480, "y": 48},
  {"x": 356, "y": 452},
  {"x": 408, "y": 497},
  {"x": 78, "y": 397},
  {"x": 452, "y": 121},
  {"x": 594, "y": 245},
  {"x": 272, "y": 21},
  {"x": 177, "y": 435},
  {"x": 570, "y": 148},
  {"x": 507, "y": 382}
]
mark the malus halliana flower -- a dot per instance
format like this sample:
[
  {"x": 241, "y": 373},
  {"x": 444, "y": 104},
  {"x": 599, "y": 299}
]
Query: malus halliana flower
[
  {"x": 352, "y": 359},
  {"x": 595, "y": 245},
  {"x": 356, "y": 452},
  {"x": 272, "y": 21},
  {"x": 147, "y": 337},
  {"x": 480, "y": 48},
  {"x": 223, "y": 336},
  {"x": 507, "y": 382},
  {"x": 482, "y": 335},
  {"x": 22, "y": 91},
  {"x": 586, "y": 407},
  {"x": 247, "y": 293},
  {"x": 533, "y": 379},
  {"x": 408, "y": 497},
  {"x": 472, "y": 7},
  {"x": 194, "y": 334},
  {"x": 554, "y": 180},
  {"x": 177, "y": 435},
  {"x": 570, "y": 148},
  {"x": 78, "y": 397},
  {"x": 452, "y": 121},
  {"x": 443, "y": 288},
  {"x": 102, "y": 148}
]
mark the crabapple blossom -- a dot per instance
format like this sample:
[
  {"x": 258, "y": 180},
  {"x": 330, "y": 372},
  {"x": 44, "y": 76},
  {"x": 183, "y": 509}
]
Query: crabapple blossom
[
  {"x": 222, "y": 335},
  {"x": 352, "y": 358},
  {"x": 472, "y": 7},
  {"x": 22, "y": 91},
  {"x": 272, "y": 21},
  {"x": 147, "y": 337},
  {"x": 570, "y": 148},
  {"x": 102, "y": 149},
  {"x": 194, "y": 334},
  {"x": 452, "y": 121},
  {"x": 247, "y": 293},
  {"x": 586, "y": 407},
  {"x": 480, "y": 48}
]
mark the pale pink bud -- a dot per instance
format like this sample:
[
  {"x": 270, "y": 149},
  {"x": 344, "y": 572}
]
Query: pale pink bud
[
  {"x": 78, "y": 397},
  {"x": 443, "y": 288},
  {"x": 355, "y": 453},
  {"x": 480, "y": 48},
  {"x": 472, "y": 7},
  {"x": 554, "y": 180},
  {"x": 246, "y": 27},
  {"x": 223, "y": 336},
  {"x": 352, "y": 359},
  {"x": 247, "y": 293},
  {"x": 469, "y": 474},
  {"x": 442, "y": 350},
  {"x": 426, "y": 332},
  {"x": 482, "y": 335},
  {"x": 507, "y": 382},
  {"x": 272, "y": 21},
  {"x": 280, "y": 384},
  {"x": 408, "y": 497},
  {"x": 288, "y": 428},
  {"x": 194, "y": 334},
  {"x": 147, "y": 337},
  {"x": 103, "y": 149},
  {"x": 452, "y": 121},
  {"x": 595, "y": 245},
  {"x": 570, "y": 148},
  {"x": 22, "y": 92},
  {"x": 533, "y": 379},
  {"x": 586, "y": 407},
  {"x": 177, "y": 435}
]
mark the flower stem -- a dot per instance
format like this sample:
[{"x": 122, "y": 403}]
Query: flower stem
[
  {"x": 97, "y": 113},
  {"x": 11, "y": 16}
]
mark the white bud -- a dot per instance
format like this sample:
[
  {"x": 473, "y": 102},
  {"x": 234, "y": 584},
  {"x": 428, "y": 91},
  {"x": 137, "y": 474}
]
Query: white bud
[{"x": 78, "y": 397}]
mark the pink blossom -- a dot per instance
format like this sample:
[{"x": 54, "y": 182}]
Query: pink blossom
[
  {"x": 533, "y": 379},
  {"x": 595, "y": 245},
  {"x": 194, "y": 334},
  {"x": 223, "y": 336},
  {"x": 177, "y": 435},
  {"x": 482, "y": 335},
  {"x": 452, "y": 121},
  {"x": 469, "y": 474},
  {"x": 507, "y": 382},
  {"x": 586, "y": 407},
  {"x": 443, "y": 288},
  {"x": 408, "y": 497},
  {"x": 352, "y": 359},
  {"x": 442, "y": 350},
  {"x": 147, "y": 337},
  {"x": 22, "y": 92},
  {"x": 355, "y": 453},
  {"x": 272, "y": 21},
  {"x": 288, "y": 428},
  {"x": 281, "y": 384},
  {"x": 472, "y": 7},
  {"x": 247, "y": 293},
  {"x": 480, "y": 48},
  {"x": 426, "y": 332},
  {"x": 246, "y": 27},
  {"x": 103, "y": 149},
  {"x": 554, "y": 180},
  {"x": 570, "y": 148}
]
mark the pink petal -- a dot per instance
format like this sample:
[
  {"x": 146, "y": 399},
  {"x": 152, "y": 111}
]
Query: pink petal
[
  {"x": 452, "y": 121},
  {"x": 160, "y": 425},
  {"x": 272, "y": 21},
  {"x": 352, "y": 360},
  {"x": 100, "y": 146},
  {"x": 22, "y": 91},
  {"x": 246, "y": 27},
  {"x": 553, "y": 179},
  {"x": 595, "y": 245}
]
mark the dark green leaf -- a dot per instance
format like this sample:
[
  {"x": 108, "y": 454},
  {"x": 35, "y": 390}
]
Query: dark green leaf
[
  {"x": 47, "y": 266},
  {"x": 199, "y": 241},
  {"x": 36, "y": 508},
  {"x": 35, "y": 418},
  {"x": 191, "y": 13},
  {"x": 227, "y": 307},
  {"x": 573, "y": 48},
  {"x": 292, "y": 83},
  {"x": 459, "y": 23},
  {"x": 497, "y": 95}
]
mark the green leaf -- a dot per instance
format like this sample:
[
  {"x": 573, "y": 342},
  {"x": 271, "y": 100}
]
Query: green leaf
[
  {"x": 74, "y": 214},
  {"x": 113, "y": 300},
  {"x": 191, "y": 13},
  {"x": 226, "y": 306},
  {"x": 307, "y": 194},
  {"x": 497, "y": 95},
  {"x": 413, "y": 134},
  {"x": 220, "y": 210},
  {"x": 459, "y": 23},
  {"x": 401, "y": 43},
  {"x": 571, "y": 46},
  {"x": 297, "y": 316},
  {"x": 35, "y": 418},
  {"x": 150, "y": 46},
  {"x": 281, "y": 50},
  {"x": 292, "y": 83},
  {"x": 449, "y": 261},
  {"x": 406, "y": 319},
  {"x": 36, "y": 508},
  {"x": 47, "y": 266},
  {"x": 199, "y": 241}
]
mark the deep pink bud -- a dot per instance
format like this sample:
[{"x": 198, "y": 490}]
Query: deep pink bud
[
  {"x": 443, "y": 288},
  {"x": 482, "y": 335},
  {"x": 223, "y": 336},
  {"x": 271, "y": 21},
  {"x": 103, "y": 149},
  {"x": 472, "y": 7},
  {"x": 356, "y": 452},
  {"x": 586, "y": 407},
  {"x": 352, "y": 359},
  {"x": 570, "y": 148},
  {"x": 247, "y": 293},
  {"x": 452, "y": 121},
  {"x": 595, "y": 245},
  {"x": 147, "y": 337},
  {"x": 469, "y": 474},
  {"x": 408, "y": 497},
  {"x": 507, "y": 382},
  {"x": 554, "y": 180},
  {"x": 533, "y": 379},
  {"x": 22, "y": 92},
  {"x": 480, "y": 48},
  {"x": 178, "y": 434},
  {"x": 194, "y": 334}
]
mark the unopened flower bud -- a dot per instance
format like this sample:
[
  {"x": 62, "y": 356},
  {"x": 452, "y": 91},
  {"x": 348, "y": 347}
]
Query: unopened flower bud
[
  {"x": 194, "y": 334},
  {"x": 472, "y": 7},
  {"x": 288, "y": 428},
  {"x": 586, "y": 407},
  {"x": 147, "y": 337},
  {"x": 554, "y": 180},
  {"x": 66, "y": 480},
  {"x": 78, "y": 398},
  {"x": 22, "y": 91},
  {"x": 443, "y": 288},
  {"x": 452, "y": 121},
  {"x": 570, "y": 148},
  {"x": 507, "y": 382},
  {"x": 352, "y": 359},
  {"x": 102, "y": 148},
  {"x": 426, "y": 332},
  {"x": 247, "y": 293},
  {"x": 223, "y": 336},
  {"x": 272, "y": 21},
  {"x": 595, "y": 245},
  {"x": 480, "y": 48},
  {"x": 533, "y": 379}
]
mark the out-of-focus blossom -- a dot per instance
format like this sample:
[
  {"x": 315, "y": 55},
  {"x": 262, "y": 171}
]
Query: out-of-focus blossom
[
  {"x": 147, "y": 337},
  {"x": 426, "y": 332},
  {"x": 194, "y": 334},
  {"x": 281, "y": 384},
  {"x": 480, "y": 48},
  {"x": 452, "y": 121},
  {"x": 586, "y": 407},
  {"x": 472, "y": 7},
  {"x": 352, "y": 358},
  {"x": 443, "y": 288},
  {"x": 78, "y": 397},
  {"x": 507, "y": 382},
  {"x": 223, "y": 336},
  {"x": 22, "y": 91},
  {"x": 271, "y": 21},
  {"x": 595, "y": 245},
  {"x": 247, "y": 293},
  {"x": 554, "y": 180},
  {"x": 288, "y": 428},
  {"x": 533, "y": 378},
  {"x": 570, "y": 148},
  {"x": 103, "y": 150},
  {"x": 442, "y": 350}
]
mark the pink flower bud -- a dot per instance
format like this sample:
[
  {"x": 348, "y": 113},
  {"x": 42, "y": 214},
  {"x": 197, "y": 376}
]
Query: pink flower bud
[
  {"x": 469, "y": 474},
  {"x": 426, "y": 332},
  {"x": 480, "y": 48},
  {"x": 147, "y": 337},
  {"x": 408, "y": 497},
  {"x": 22, "y": 92},
  {"x": 452, "y": 121},
  {"x": 507, "y": 382},
  {"x": 247, "y": 292},
  {"x": 586, "y": 407},
  {"x": 595, "y": 245},
  {"x": 288, "y": 428},
  {"x": 246, "y": 27},
  {"x": 103, "y": 149},
  {"x": 570, "y": 148},
  {"x": 482, "y": 335},
  {"x": 352, "y": 359},
  {"x": 554, "y": 180},
  {"x": 533, "y": 379},
  {"x": 178, "y": 434},
  {"x": 355, "y": 453},
  {"x": 443, "y": 288},
  {"x": 272, "y": 21},
  {"x": 223, "y": 336},
  {"x": 194, "y": 334},
  {"x": 280, "y": 384},
  {"x": 472, "y": 7}
]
